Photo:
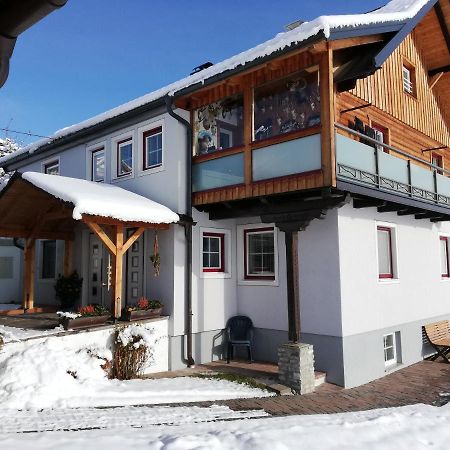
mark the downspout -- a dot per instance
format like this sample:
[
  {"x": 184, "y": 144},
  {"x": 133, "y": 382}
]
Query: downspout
[{"x": 187, "y": 222}]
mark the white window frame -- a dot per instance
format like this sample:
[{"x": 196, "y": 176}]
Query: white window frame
[
  {"x": 115, "y": 142},
  {"x": 226, "y": 257},
  {"x": 51, "y": 162},
  {"x": 408, "y": 78},
  {"x": 140, "y": 151},
  {"x": 394, "y": 250},
  {"x": 242, "y": 280},
  {"x": 388, "y": 364},
  {"x": 91, "y": 148},
  {"x": 441, "y": 237}
]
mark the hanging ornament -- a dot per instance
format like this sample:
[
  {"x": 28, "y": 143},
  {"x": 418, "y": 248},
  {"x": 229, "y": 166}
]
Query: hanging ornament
[{"x": 155, "y": 258}]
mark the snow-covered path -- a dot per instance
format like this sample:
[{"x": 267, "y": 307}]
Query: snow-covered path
[
  {"x": 408, "y": 428},
  {"x": 113, "y": 418}
]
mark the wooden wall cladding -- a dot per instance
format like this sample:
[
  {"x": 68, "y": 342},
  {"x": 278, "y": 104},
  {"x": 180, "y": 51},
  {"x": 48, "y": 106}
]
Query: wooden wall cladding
[
  {"x": 384, "y": 89},
  {"x": 292, "y": 183}
]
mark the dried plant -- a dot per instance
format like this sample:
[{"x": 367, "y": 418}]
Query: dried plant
[{"x": 130, "y": 355}]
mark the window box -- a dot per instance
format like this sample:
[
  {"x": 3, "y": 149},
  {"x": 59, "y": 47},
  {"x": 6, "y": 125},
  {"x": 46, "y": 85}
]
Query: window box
[
  {"x": 130, "y": 316},
  {"x": 83, "y": 322}
]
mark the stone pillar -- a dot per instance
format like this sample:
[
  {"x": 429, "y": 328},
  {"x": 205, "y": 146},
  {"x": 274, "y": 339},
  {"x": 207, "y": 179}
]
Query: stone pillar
[{"x": 296, "y": 367}]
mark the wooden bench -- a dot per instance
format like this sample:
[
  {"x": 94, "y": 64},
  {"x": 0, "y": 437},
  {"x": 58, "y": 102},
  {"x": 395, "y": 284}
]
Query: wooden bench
[{"x": 438, "y": 335}]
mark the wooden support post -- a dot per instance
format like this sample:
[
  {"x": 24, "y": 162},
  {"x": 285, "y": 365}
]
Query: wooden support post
[
  {"x": 68, "y": 246},
  {"x": 118, "y": 272},
  {"x": 28, "y": 275},
  {"x": 327, "y": 114},
  {"x": 291, "y": 240},
  {"x": 248, "y": 138}
]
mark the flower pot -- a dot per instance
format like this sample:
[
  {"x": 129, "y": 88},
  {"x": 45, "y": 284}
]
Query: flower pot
[
  {"x": 141, "y": 314},
  {"x": 83, "y": 322}
]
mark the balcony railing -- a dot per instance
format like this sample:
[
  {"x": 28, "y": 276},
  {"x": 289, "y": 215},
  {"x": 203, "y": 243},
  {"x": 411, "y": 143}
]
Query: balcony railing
[{"x": 405, "y": 174}]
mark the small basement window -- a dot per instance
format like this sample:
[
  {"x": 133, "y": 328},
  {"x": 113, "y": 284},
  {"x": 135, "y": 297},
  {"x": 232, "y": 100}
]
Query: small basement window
[
  {"x": 444, "y": 257},
  {"x": 390, "y": 345}
]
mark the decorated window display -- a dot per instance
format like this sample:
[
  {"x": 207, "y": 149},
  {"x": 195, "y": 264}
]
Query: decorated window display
[
  {"x": 287, "y": 105},
  {"x": 219, "y": 125}
]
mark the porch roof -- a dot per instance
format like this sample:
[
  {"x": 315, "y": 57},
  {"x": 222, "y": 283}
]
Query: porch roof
[{"x": 48, "y": 206}]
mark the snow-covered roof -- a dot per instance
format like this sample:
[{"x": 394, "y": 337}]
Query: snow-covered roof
[
  {"x": 101, "y": 199},
  {"x": 394, "y": 12}
]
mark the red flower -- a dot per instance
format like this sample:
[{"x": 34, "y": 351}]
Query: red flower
[{"x": 143, "y": 303}]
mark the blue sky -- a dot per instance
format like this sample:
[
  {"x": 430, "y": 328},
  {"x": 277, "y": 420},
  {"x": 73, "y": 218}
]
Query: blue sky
[{"x": 93, "y": 55}]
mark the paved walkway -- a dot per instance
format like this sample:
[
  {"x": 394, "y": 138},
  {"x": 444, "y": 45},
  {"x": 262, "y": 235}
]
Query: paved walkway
[{"x": 420, "y": 383}]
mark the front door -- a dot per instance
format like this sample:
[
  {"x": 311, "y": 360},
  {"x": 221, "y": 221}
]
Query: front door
[{"x": 99, "y": 273}]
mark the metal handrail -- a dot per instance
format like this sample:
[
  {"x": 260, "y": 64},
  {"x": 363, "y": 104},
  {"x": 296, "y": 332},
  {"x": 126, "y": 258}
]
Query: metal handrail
[{"x": 396, "y": 150}]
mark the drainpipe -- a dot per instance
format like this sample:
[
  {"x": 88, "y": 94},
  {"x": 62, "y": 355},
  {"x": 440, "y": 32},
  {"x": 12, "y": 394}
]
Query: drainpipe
[{"x": 187, "y": 222}]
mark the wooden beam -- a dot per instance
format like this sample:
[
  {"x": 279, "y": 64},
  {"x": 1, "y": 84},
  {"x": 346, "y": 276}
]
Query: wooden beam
[
  {"x": 118, "y": 273},
  {"x": 291, "y": 240},
  {"x": 28, "y": 274},
  {"x": 355, "y": 41},
  {"x": 438, "y": 70},
  {"x": 368, "y": 202},
  {"x": 327, "y": 106},
  {"x": 114, "y": 222},
  {"x": 68, "y": 247},
  {"x": 132, "y": 239},
  {"x": 443, "y": 24},
  {"x": 433, "y": 80},
  {"x": 97, "y": 229},
  {"x": 248, "y": 138}
]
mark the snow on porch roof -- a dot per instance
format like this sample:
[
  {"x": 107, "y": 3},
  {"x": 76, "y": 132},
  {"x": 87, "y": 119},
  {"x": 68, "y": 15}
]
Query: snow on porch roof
[
  {"x": 100, "y": 199},
  {"x": 396, "y": 12}
]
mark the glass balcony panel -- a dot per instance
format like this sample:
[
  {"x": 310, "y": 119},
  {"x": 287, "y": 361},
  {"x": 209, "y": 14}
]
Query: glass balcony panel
[
  {"x": 392, "y": 167},
  {"x": 443, "y": 184},
  {"x": 422, "y": 178},
  {"x": 355, "y": 154},
  {"x": 220, "y": 172},
  {"x": 287, "y": 158}
]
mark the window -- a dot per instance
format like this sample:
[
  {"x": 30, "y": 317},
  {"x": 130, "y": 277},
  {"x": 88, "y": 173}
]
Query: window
[
  {"x": 381, "y": 135},
  {"x": 48, "y": 260},
  {"x": 124, "y": 157},
  {"x": 219, "y": 125},
  {"x": 409, "y": 74},
  {"x": 52, "y": 168},
  {"x": 287, "y": 105},
  {"x": 438, "y": 161},
  {"x": 390, "y": 349},
  {"x": 444, "y": 257},
  {"x": 213, "y": 252},
  {"x": 153, "y": 148},
  {"x": 385, "y": 260},
  {"x": 259, "y": 250},
  {"x": 98, "y": 165},
  {"x": 6, "y": 267}
]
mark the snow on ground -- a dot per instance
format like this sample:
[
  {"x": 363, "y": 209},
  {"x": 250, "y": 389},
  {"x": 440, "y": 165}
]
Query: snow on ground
[
  {"x": 12, "y": 334},
  {"x": 408, "y": 428},
  {"x": 49, "y": 373}
]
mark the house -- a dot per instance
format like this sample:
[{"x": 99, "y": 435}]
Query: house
[{"x": 311, "y": 175}]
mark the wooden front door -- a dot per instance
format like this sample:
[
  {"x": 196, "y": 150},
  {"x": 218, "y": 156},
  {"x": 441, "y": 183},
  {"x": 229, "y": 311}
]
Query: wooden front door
[
  {"x": 99, "y": 273},
  {"x": 134, "y": 271}
]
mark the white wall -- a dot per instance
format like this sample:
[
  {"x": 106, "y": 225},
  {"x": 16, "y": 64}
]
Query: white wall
[{"x": 419, "y": 293}]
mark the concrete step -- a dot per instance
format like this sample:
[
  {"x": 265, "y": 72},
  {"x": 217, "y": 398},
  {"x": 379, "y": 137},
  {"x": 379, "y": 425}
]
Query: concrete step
[{"x": 320, "y": 378}]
